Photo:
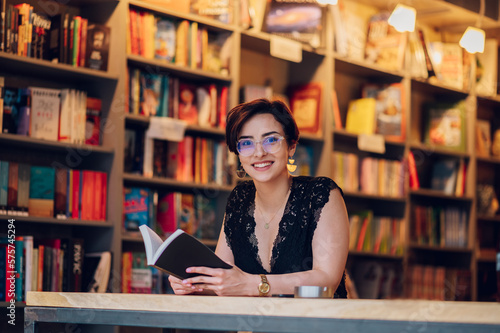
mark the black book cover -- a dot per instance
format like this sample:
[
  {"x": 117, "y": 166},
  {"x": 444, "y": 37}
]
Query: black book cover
[{"x": 179, "y": 252}]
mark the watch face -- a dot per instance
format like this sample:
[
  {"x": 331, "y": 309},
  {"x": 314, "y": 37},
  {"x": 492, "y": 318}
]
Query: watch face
[{"x": 264, "y": 288}]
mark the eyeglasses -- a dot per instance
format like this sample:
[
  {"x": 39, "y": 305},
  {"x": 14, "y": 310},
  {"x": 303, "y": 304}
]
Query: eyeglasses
[{"x": 271, "y": 144}]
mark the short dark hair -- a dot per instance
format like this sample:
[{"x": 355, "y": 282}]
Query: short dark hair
[{"x": 241, "y": 113}]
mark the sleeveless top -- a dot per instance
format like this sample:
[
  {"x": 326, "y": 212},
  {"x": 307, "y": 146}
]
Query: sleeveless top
[{"x": 292, "y": 248}]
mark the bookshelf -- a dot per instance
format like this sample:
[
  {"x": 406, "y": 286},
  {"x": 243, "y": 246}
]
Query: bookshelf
[{"x": 251, "y": 64}]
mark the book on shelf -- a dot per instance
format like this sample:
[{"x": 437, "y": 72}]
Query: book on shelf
[
  {"x": 23, "y": 188},
  {"x": 447, "y": 59},
  {"x": 96, "y": 53},
  {"x": 384, "y": 45},
  {"x": 215, "y": 9},
  {"x": 412, "y": 171},
  {"x": 351, "y": 26},
  {"x": 417, "y": 62},
  {"x": 487, "y": 200},
  {"x": 429, "y": 65},
  {"x": 486, "y": 69},
  {"x": 438, "y": 283},
  {"x": 390, "y": 114},
  {"x": 178, "y": 252},
  {"x": 306, "y": 106},
  {"x": 304, "y": 159},
  {"x": 337, "y": 119},
  {"x": 93, "y": 121},
  {"x": 41, "y": 197},
  {"x": 97, "y": 272},
  {"x": 10, "y": 109},
  {"x": 444, "y": 175},
  {"x": 4, "y": 186},
  {"x": 483, "y": 137},
  {"x": 2, "y": 87},
  {"x": 301, "y": 21},
  {"x": 137, "y": 208},
  {"x": 44, "y": 120},
  {"x": 360, "y": 117},
  {"x": 445, "y": 125},
  {"x": 165, "y": 39}
]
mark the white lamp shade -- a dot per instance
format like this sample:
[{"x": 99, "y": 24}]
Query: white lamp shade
[
  {"x": 403, "y": 18},
  {"x": 473, "y": 40},
  {"x": 327, "y": 2}
]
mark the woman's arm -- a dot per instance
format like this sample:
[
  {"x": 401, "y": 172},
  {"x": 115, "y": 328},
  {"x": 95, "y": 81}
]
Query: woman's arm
[{"x": 330, "y": 247}]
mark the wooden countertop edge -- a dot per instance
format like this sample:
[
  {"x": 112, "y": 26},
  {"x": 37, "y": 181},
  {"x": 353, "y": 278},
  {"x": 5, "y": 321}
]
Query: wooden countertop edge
[{"x": 392, "y": 310}]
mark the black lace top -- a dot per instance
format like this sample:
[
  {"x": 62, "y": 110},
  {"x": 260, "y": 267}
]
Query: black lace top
[{"x": 292, "y": 248}]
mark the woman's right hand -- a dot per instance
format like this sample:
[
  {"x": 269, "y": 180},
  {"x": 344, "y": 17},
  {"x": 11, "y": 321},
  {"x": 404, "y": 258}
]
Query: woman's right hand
[{"x": 182, "y": 288}]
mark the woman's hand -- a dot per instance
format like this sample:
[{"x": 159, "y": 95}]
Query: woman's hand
[
  {"x": 182, "y": 288},
  {"x": 223, "y": 282}
]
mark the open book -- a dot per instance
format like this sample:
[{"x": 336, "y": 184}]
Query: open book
[{"x": 178, "y": 252}]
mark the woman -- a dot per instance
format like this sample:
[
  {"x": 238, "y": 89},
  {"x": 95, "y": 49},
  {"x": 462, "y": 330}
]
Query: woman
[{"x": 279, "y": 231}]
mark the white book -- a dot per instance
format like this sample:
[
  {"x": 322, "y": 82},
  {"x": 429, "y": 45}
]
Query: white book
[
  {"x": 44, "y": 122},
  {"x": 65, "y": 117}
]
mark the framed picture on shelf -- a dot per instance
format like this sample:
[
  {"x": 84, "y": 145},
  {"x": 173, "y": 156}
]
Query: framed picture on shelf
[
  {"x": 390, "y": 115},
  {"x": 445, "y": 126},
  {"x": 298, "y": 20}
]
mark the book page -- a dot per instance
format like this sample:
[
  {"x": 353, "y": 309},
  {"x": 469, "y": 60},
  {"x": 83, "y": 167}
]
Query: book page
[{"x": 151, "y": 242}]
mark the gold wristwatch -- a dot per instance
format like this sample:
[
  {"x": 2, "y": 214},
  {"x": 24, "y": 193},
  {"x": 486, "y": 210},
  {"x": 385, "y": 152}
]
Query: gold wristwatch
[{"x": 264, "y": 286}]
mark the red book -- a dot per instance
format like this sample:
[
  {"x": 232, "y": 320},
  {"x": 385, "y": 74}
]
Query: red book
[
  {"x": 75, "y": 210},
  {"x": 104, "y": 196},
  {"x": 223, "y": 106},
  {"x": 134, "y": 48},
  {"x": 93, "y": 121},
  {"x": 97, "y": 211},
  {"x": 87, "y": 194},
  {"x": 362, "y": 234},
  {"x": 41, "y": 255},
  {"x": 167, "y": 214}
]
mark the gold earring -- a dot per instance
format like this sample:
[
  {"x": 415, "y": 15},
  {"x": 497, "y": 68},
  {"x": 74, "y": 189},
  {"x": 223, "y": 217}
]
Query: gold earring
[
  {"x": 240, "y": 172},
  {"x": 290, "y": 166}
]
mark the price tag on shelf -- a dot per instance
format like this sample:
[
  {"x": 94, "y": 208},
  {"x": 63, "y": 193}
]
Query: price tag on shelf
[
  {"x": 285, "y": 48},
  {"x": 374, "y": 143},
  {"x": 166, "y": 129}
]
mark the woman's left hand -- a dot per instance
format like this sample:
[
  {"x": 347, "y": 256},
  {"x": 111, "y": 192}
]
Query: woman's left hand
[{"x": 223, "y": 282}]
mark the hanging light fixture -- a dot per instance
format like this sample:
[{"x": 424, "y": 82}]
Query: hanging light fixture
[
  {"x": 403, "y": 18},
  {"x": 473, "y": 38},
  {"x": 327, "y": 2}
]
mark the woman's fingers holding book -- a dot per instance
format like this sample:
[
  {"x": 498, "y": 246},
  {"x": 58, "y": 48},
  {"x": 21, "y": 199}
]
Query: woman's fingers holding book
[{"x": 181, "y": 288}]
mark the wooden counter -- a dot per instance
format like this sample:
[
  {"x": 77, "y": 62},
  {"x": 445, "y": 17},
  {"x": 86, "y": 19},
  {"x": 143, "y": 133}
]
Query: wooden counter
[{"x": 260, "y": 314}]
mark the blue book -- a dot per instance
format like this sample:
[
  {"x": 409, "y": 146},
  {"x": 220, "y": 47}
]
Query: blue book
[
  {"x": 4, "y": 184},
  {"x": 19, "y": 268},
  {"x": 41, "y": 200},
  {"x": 136, "y": 208}
]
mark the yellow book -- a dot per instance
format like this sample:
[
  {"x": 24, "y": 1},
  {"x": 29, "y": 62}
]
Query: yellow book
[
  {"x": 193, "y": 47},
  {"x": 181, "y": 46},
  {"x": 361, "y": 116}
]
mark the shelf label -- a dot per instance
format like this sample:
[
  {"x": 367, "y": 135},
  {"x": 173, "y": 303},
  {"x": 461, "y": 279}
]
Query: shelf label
[
  {"x": 374, "y": 143},
  {"x": 286, "y": 49},
  {"x": 162, "y": 128}
]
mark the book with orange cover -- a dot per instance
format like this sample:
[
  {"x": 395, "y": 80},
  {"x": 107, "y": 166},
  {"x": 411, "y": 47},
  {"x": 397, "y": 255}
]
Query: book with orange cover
[{"x": 305, "y": 104}]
